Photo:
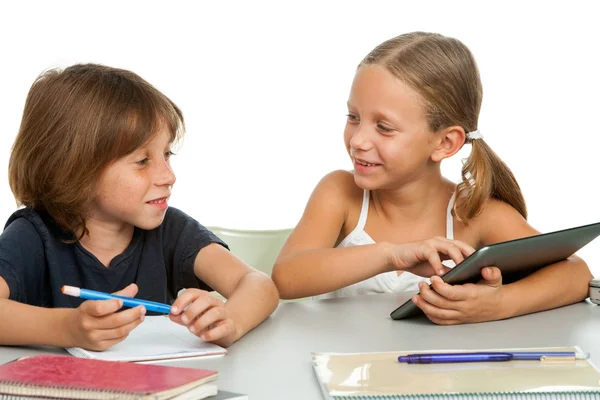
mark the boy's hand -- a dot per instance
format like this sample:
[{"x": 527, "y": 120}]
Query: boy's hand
[
  {"x": 425, "y": 257},
  {"x": 96, "y": 324},
  {"x": 205, "y": 316}
]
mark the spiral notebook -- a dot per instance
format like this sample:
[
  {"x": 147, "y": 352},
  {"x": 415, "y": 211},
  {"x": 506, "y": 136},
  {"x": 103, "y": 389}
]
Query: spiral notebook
[
  {"x": 157, "y": 338},
  {"x": 381, "y": 376},
  {"x": 66, "y": 377}
]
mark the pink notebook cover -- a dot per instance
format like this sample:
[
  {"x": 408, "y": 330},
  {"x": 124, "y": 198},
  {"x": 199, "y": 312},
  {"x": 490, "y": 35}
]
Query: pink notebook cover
[{"x": 68, "y": 372}]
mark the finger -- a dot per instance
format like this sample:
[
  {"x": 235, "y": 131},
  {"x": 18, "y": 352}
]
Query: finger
[
  {"x": 129, "y": 291},
  {"x": 433, "y": 312},
  {"x": 211, "y": 316},
  {"x": 492, "y": 276},
  {"x": 450, "y": 292},
  {"x": 199, "y": 307},
  {"x": 220, "y": 329},
  {"x": 122, "y": 318},
  {"x": 432, "y": 256},
  {"x": 104, "y": 344},
  {"x": 456, "y": 250},
  {"x": 117, "y": 333},
  {"x": 433, "y": 298},
  {"x": 465, "y": 248},
  {"x": 100, "y": 308},
  {"x": 185, "y": 299},
  {"x": 455, "y": 254}
]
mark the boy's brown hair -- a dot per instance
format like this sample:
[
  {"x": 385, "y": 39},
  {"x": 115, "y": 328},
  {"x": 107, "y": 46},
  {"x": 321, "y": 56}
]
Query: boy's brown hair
[
  {"x": 75, "y": 123},
  {"x": 443, "y": 71}
]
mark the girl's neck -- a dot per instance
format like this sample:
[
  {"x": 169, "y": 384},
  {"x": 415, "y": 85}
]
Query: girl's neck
[
  {"x": 105, "y": 240},
  {"x": 413, "y": 201}
]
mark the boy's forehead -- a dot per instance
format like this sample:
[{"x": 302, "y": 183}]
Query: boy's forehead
[{"x": 163, "y": 137}]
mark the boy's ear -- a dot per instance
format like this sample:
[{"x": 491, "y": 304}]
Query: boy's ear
[{"x": 448, "y": 142}]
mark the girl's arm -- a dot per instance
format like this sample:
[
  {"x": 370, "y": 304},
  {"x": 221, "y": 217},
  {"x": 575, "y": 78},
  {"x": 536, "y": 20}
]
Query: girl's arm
[
  {"x": 309, "y": 265},
  {"x": 555, "y": 285}
]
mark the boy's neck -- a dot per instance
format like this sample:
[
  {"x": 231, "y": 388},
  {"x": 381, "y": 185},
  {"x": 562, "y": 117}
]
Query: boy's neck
[{"x": 106, "y": 240}]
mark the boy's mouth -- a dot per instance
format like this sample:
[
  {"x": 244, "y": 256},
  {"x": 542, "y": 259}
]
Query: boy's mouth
[{"x": 158, "y": 201}]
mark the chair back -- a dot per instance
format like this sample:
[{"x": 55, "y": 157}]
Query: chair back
[{"x": 257, "y": 248}]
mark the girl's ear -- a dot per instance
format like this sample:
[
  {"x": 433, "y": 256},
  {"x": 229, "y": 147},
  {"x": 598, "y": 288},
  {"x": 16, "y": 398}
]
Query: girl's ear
[{"x": 448, "y": 142}]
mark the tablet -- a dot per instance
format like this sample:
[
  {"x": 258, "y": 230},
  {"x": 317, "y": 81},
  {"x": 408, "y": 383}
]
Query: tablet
[{"x": 515, "y": 258}]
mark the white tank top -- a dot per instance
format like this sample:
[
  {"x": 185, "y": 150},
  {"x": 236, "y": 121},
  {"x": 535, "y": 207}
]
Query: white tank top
[{"x": 388, "y": 282}]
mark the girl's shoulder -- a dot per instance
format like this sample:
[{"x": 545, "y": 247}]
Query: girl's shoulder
[
  {"x": 498, "y": 221},
  {"x": 341, "y": 186},
  {"x": 337, "y": 193}
]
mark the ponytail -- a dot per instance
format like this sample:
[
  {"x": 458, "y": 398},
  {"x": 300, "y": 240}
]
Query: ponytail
[{"x": 485, "y": 176}]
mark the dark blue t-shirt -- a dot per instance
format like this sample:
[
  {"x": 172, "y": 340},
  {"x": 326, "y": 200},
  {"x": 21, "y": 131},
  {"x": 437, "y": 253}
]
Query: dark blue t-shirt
[{"x": 36, "y": 262}]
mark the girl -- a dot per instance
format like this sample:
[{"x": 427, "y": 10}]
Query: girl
[
  {"x": 415, "y": 101},
  {"x": 91, "y": 166}
]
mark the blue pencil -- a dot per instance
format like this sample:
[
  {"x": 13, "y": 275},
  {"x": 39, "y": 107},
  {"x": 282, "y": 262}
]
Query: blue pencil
[{"x": 127, "y": 301}]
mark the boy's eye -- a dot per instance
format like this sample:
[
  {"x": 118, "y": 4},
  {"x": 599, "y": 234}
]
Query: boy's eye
[{"x": 143, "y": 162}]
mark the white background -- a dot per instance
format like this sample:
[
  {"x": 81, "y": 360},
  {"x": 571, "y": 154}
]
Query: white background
[{"x": 263, "y": 87}]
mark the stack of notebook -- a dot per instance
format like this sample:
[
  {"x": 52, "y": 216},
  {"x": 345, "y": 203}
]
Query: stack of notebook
[{"x": 64, "y": 377}]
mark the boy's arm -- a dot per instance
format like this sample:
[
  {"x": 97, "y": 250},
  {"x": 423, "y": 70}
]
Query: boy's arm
[
  {"x": 30, "y": 325},
  {"x": 251, "y": 295},
  {"x": 94, "y": 325}
]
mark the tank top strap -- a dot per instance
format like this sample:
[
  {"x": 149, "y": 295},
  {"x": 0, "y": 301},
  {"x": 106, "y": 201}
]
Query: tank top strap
[
  {"x": 449, "y": 219},
  {"x": 364, "y": 211}
]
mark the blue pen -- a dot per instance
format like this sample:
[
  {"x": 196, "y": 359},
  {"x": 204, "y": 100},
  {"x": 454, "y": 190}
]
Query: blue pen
[
  {"x": 454, "y": 358},
  {"x": 127, "y": 301},
  {"x": 488, "y": 356}
]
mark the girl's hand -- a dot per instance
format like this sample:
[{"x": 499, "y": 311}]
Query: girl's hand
[
  {"x": 205, "y": 316},
  {"x": 445, "y": 304},
  {"x": 425, "y": 257},
  {"x": 96, "y": 324}
]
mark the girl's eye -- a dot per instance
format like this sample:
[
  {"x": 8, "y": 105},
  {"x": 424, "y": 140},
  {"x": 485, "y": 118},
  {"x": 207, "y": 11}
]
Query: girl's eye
[
  {"x": 352, "y": 118},
  {"x": 168, "y": 154},
  {"x": 143, "y": 162},
  {"x": 384, "y": 128}
]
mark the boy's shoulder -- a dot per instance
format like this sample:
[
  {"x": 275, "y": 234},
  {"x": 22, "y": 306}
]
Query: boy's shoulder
[
  {"x": 23, "y": 232},
  {"x": 25, "y": 219}
]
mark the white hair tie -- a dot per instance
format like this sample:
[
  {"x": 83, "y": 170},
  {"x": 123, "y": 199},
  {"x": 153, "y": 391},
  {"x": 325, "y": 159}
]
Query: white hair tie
[{"x": 474, "y": 135}]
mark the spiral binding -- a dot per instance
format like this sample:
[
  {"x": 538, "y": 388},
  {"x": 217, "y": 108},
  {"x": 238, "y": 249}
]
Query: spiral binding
[
  {"x": 12, "y": 390},
  {"x": 575, "y": 395}
]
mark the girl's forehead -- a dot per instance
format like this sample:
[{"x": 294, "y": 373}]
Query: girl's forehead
[{"x": 375, "y": 87}]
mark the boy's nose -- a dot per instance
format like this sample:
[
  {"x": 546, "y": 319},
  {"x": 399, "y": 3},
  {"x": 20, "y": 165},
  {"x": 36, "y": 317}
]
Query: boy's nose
[{"x": 166, "y": 176}]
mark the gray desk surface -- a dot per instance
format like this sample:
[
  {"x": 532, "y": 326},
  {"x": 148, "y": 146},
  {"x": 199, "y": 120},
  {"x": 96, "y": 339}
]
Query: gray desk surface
[{"x": 273, "y": 361}]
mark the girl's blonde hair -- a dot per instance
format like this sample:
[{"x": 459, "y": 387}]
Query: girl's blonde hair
[
  {"x": 443, "y": 71},
  {"x": 75, "y": 123}
]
